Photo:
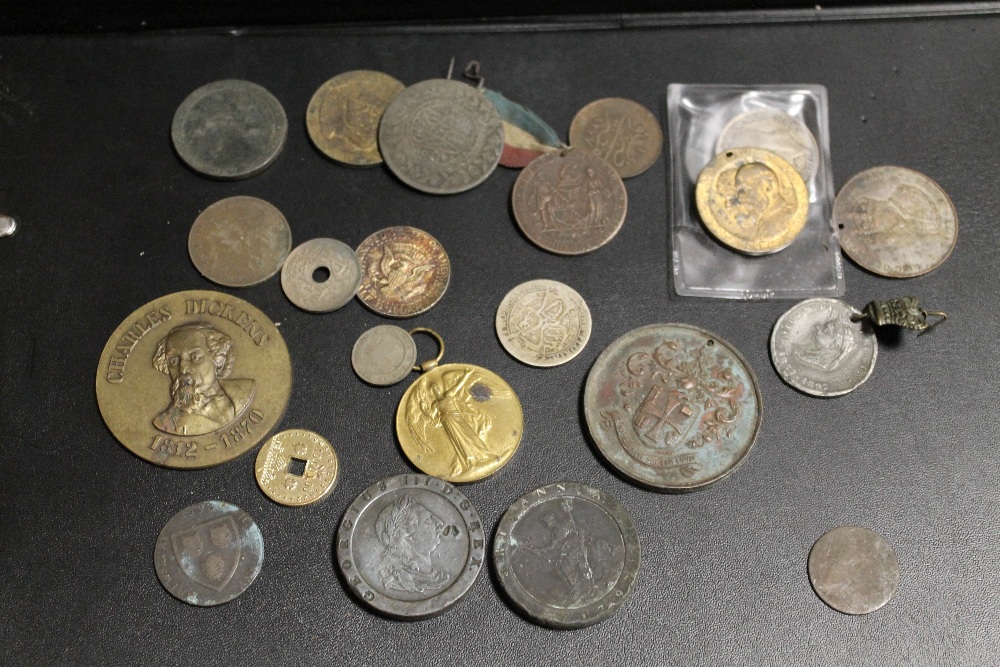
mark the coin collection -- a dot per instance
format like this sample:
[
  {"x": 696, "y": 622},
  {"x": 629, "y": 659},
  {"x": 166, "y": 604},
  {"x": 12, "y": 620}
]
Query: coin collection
[{"x": 671, "y": 407}]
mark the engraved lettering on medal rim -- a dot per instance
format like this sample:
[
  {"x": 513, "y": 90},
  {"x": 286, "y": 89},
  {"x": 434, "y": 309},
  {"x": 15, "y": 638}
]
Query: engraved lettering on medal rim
[
  {"x": 230, "y": 312},
  {"x": 129, "y": 339}
]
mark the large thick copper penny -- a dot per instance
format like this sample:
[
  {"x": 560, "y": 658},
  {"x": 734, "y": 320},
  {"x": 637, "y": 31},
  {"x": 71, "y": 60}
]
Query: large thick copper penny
[
  {"x": 404, "y": 271},
  {"x": 624, "y": 133}
]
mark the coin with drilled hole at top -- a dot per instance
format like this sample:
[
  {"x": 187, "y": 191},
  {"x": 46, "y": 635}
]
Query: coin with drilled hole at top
[
  {"x": 321, "y": 275},
  {"x": 854, "y": 570}
]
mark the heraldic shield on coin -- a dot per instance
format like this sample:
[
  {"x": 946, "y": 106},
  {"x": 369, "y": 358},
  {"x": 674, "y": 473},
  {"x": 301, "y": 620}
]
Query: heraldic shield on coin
[
  {"x": 193, "y": 379},
  {"x": 672, "y": 406}
]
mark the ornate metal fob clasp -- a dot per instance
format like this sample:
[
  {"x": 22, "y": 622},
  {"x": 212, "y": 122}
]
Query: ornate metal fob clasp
[{"x": 902, "y": 312}]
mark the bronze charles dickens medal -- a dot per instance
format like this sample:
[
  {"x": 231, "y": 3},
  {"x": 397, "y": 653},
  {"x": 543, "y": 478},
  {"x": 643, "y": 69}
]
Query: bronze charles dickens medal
[{"x": 193, "y": 379}]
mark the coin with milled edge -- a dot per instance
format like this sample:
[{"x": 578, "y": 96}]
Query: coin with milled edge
[
  {"x": 854, "y": 570},
  {"x": 208, "y": 553},
  {"x": 229, "y": 129},
  {"x": 567, "y": 555},
  {"x": 321, "y": 275},
  {"x": 410, "y": 546},
  {"x": 384, "y": 355},
  {"x": 777, "y": 132},
  {"x": 543, "y": 323},
  {"x": 672, "y": 407},
  {"x": 895, "y": 222},
  {"x": 296, "y": 467},
  {"x": 193, "y": 379},
  {"x": 622, "y": 132},
  {"x": 818, "y": 349},
  {"x": 404, "y": 271}
]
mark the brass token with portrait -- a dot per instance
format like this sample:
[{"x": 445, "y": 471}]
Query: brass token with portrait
[
  {"x": 296, "y": 467},
  {"x": 752, "y": 200},
  {"x": 404, "y": 271},
  {"x": 624, "y": 133},
  {"x": 193, "y": 379}
]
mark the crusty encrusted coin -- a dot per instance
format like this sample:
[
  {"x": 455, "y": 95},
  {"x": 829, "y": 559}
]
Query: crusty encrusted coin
[
  {"x": 296, "y": 467},
  {"x": 672, "y": 406},
  {"x": 229, "y": 129},
  {"x": 404, "y": 271},
  {"x": 895, "y": 222},
  {"x": 208, "y": 553},
  {"x": 239, "y": 241},
  {"x": 321, "y": 275},
  {"x": 543, "y": 323},
  {"x": 344, "y": 113},
  {"x": 854, "y": 570},
  {"x": 569, "y": 203},
  {"x": 567, "y": 555},
  {"x": 410, "y": 546},
  {"x": 777, "y": 132},
  {"x": 384, "y": 355},
  {"x": 193, "y": 379},
  {"x": 624, "y": 133}
]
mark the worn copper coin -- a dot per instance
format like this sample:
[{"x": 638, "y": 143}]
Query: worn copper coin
[
  {"x": 777, "y": 132},
  {"x": 569, "y": 203},
  {"x": 567, "y": 555},
  {"x": 344, "y": 113},
  {"x": 624, "y": 133},
  {"x": 543, "y": 323},
  {"x": 208, "y": 553},
  {"x": 854, "y": 570},
  {"x": 410, "y": 546},
  {"x": 384, "y": 355},
  {"x": 321, "y": 275},
  {"x": 895, "y": 222},
  {"x": 296, "y": 467},
  {"x": 673, "y": 407},
  {"x": 193, "y": 379},
  {"x": 229, "y": 129},
  {"x": 404, "y": 271}
]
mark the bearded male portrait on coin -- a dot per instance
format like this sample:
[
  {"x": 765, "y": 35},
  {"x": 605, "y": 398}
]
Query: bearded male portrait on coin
[{"x": 762, "y": 209}]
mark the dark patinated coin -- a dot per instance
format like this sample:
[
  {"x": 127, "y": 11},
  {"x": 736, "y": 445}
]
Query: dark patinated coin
[
  {"x": 208, "y": 553},
  {"x": 854, "y": 570},
  {"x": 410, "y": 546},
  {"x": 567, "y": 555}
]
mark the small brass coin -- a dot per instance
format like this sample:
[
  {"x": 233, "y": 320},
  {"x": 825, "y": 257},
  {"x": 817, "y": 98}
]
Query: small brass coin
[
  {"x": 327, "y": 291},
  {"x": 854, "y": 570},
  {"x": 193, "y": 379},
  {"x": 296, "y": 467},
  {"x": 404, "y": 271},
  {"x": 384, "y": 355},
  {"x": 543, "y": 323},
  {"x": 752, "y": 200},
  {"x": 622, "y": 132}
]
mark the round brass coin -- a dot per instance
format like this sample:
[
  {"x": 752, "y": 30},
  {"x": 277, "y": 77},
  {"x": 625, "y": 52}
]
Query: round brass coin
[
  {"x": 328, "y": 291},
  {"x": 752, "y": 200},
  {"x": 853, "y": 570},
  {"x": 404, "y": 271},
  {"x": 193, "y": 379},
  {"x": 384, "y": 355},
  {"x": 543, "y": 323},
  {"x": 239, "y": 241},
  {"x": 624, "y": 133},
  {"x": 296, "y": 467},
  {"x": 459, "y": 422},
  {"x": 344, "y": 114}
]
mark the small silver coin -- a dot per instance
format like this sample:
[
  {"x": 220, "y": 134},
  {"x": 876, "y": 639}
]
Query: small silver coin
[
  {"x": 321, "y": 275},
  {"x": 208, "y": 553},
  {"x": 567, "y": 555},
  {"x": 816, "y": 348},
  {"x": 543, "y": 323},
  {"x": 410, "y": 546},
  {"x": 854, "y": 570},
  {"x": 229, "y": 129},
  {"x": 384, "y": 355},
  {"x": 777, "y": 132}
]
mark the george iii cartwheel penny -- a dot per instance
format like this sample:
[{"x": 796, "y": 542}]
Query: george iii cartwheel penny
[
  {"x": 321, "y": 275},
  {"x": 193, "y": 379},
  {"x": 624, "y": 133},
  {"x": 543, "y": 323},
  {"x": 296, "y": 467},
  {"x": 776, "y": 131},
  {"x": 854, "y": 570},
  {"x": 404, "y": 271},
  {"x": 672, "y": 407}
]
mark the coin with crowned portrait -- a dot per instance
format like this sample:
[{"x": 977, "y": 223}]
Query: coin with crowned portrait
[
  {"x": 321, "y": 275},
  {"x": 404, "y": 271},
  {"x": 543, "y": 323},
  {"x": 622, "y": 132},
  {"x": 854, "y": 570},
  {"x": 777, "y": 132},
  {"x": 296, "y": 467},
  {"x": 410, "y": 546},
  {"x": 384, "y": 355}
]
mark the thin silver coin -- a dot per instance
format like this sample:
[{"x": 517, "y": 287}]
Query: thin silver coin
[
  {"x": 321, "y": 275},
  {"x": 384, "y": 355},
  {"x": 543, "y": 323},
  {"x": 567, "y": 555},
  {"x": 229, "y": 129},
  {"x": 816, "y": 348},
  {"x": 854, "y": 570},
  {"x": 410, "y": 546},
  {"x": 208, "y": 553},
  {"x": 777, "y": 132}
]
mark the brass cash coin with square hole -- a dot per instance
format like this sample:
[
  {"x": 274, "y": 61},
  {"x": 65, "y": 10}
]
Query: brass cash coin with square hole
[{"x": 296, "y": 467}]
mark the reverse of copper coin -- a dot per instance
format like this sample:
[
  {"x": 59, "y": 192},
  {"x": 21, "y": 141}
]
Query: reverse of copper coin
[
  {"x": 624, "y": 133},
  {"x": 543, "y": 323},
  {"x": 296, "y": 467},
  {"x": 404, "y": 271},
  {"x": 321, "y": 275},
  {"x": 854, "y": 570},
  {"x": 752, "y": 200}
]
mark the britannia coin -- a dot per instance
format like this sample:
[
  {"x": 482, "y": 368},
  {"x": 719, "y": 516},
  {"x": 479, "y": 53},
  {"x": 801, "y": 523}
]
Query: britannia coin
[
  {"x": 208, "y": 553},
  {"x": 854, "y": 570},
  {"x": 410, "y": 546},
  {"x": 384, "y": 355},
  {"x": 624, "y": 133},
  {"x": 239, "y": 241},
  {"x": 543, "y": 323},
  {"x": 569, "y": 203},
  {"x": 673, "y": 407},
  {"x": 296, "y": 467},
  {"x": 404, "y": 271},
  {"x": 344, "y": 114},
  {"x": 895, "y": 222},
  {"x": 777, "y": 132},
  {"x": 818, "y": 348},
  {"x": 229, "y": 129},
  {"x": 752, "y": 200},
  {"x": 193, "y": 379},
  {"x": 567, "y": 555},
  {"x": 321, "y": 275}
]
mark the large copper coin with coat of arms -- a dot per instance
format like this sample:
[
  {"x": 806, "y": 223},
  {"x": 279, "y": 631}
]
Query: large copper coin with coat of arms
[
  {"x": 624, "y": 133},
  {"x": 672, "y": 406},
  {"x": 404, "y": 271},
  {"x": 193, "y": 379}
]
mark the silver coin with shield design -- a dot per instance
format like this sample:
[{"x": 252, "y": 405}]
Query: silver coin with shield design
[
  {"x": 543, "y": 323},
  {"x": 321, "y": 275}
]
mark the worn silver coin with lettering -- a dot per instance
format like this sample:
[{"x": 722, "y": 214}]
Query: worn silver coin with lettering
[
  {"x": 543, "y": 323},
  {"x": 208, "y": 553},
  {"x": 384, "y": 355},
  {"x": 777, "y": 132},
  {"x": 321, "y": 275},
  {"x": 817, "y": 348},
  {"x": 854, "y": 570},
  {"x": 567, "y": 555},
  {"x": 410, "y": 546}
]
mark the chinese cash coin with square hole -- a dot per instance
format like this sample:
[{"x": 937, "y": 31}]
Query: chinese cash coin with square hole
[{"x": 283, "y": 484}]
